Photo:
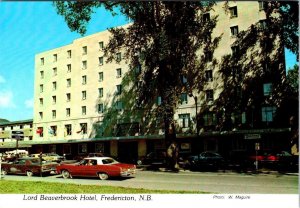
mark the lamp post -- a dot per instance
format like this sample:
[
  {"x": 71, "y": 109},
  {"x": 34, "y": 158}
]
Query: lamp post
[{"x": 196, "y": 105}]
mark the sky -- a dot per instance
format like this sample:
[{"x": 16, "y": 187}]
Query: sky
[{"x": 29, "y": 28}]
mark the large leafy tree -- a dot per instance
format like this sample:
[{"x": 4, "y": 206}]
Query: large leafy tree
[{"x": 164, "y": 39}]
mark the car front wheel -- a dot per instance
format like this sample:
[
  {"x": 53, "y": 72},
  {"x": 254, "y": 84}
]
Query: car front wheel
[
  {"x": 103, "y": 176},
  {"x": 29, "y": 173},
  {"x": 66, "y": 174},
  {"x": 3, "y": 171}
]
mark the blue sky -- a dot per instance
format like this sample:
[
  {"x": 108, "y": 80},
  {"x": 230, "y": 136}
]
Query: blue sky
[{"x": 28, "y": 28}]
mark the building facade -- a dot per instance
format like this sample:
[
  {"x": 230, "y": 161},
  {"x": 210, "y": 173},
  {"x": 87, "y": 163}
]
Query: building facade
[{"x": 74, "y": 85}]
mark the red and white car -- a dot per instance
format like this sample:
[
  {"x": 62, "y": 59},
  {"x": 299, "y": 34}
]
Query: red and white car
[{"x": 102, "y": 167}]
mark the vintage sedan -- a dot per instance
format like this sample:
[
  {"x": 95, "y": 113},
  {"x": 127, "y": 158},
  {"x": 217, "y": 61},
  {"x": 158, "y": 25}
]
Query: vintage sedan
[
  {"x": 102, "y": 167},
  {"x": 28, "y": 166},
  {"x": 206, "y": 160}
]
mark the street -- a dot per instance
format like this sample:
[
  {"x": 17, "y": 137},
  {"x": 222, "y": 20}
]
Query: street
[{"x": 212, "y": 182}]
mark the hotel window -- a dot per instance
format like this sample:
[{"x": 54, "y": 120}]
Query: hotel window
[
  {"x": 69, "y": 82},
  {"x": 68, "y": 129},
  {"x": 100, "y": 76},
  {"x": 100, "y": 108},
  {"x": 42, "y": 61},
  {"x": 234, "y": 30},
  {"x": 41, "y": 101},
  {"x": 21, "y": 126},
  {"x": 83, "y": 110},
  {"x": 183, "y": 98},
  {"x": 41, "y": 115},
  {"x": 42, "y": 74},
  {"x": 119, "y": 72},
  {"x": 209, "y": 95},
  {"x": 41, "y": 88},
  {"x": 261, "y": 5},
  {"x": 183, "y": 79},
  {"x": 119, "y": 89},
  {"x": 84, "y": 80},
  {"x": 83, "y": 93},
  {"x": 101, "y": 45},
  {"x": 184, "y": 120},
  {"x": 84, "y": 50},
  {"x": 53, "y": 113},
  {"x": 209, "y": 75},
  {"x": 54, "y": 85},
  {"x": 262, "y": 24},
  {"x": 68, "y": 112},
  {"x": 40, "y": 131},
  {"x": 84, "y": 64},
  {"x": 159, "y": 100},
  {"x": 68, "y": 97},
  {"x": 119, "y": 105},
  {"x": 69, "y": 68},
  {"x": 118, "y": 57},
  {"x": 209, "y": 119},
  {"x": 53, "y": 100},
  {"x": 233, "y": 12},
  {"x": 268, "y": 113},
  {"x": 100, "y": 61},
  {"x": 234, "y": 50},
  {"x": 100, "y": 90},
  {"x": 54, "y": 71},
  {"x": 208, "y": 56},
  {"x": 69, "y": 54},
  {"x": 267, "y": 89},
  {"x": 138, "y": 70},
  {"x": 54, "y": 57},
  {"x": 206, "y": 17},
  {"x": 53, "y": 131},
  {"x": 83, "y": 128}
]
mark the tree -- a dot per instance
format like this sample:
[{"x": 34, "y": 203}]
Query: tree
[{"x": 164, "y": 39}]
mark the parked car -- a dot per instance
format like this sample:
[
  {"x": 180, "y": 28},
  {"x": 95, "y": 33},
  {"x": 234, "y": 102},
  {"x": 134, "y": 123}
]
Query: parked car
[
  {"x": 153, "y": 158},
  {"x": 53, "y": 157},
  {"x": 274, "y": 159},
  {"x": 102, "y": 167},
  {"x": 206, "y": 160},
  {"x": 28, "y": 166}
]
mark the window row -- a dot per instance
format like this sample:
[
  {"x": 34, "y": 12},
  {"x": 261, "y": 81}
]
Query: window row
[
  {"x": 83, "y": 81},
  {"x": 100, "y": 108},
  {"x": 84, "y": 52},
  {"x": 100, "y": 74},
  {"x": 83, "y": 95},
  {"x": 52, "y": 130}
]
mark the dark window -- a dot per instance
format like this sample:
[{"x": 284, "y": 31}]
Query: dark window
[
  {"x": 234, "y": 30},
  {"x": 209, "y": 75},
  {"x": 233, "y": 12},
  {"x": 206, "y": 17},
  {"x": 184, "y": 120},
  {"x": 209, "y": 95},
  {"x": 183, "y": 98}
]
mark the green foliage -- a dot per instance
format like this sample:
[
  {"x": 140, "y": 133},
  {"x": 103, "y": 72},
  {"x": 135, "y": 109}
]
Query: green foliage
[{"x": 293, "y": 79}]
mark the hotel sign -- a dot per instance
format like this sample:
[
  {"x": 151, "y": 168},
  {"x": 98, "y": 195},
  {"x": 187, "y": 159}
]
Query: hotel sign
[{"x": 252, "y": 136}]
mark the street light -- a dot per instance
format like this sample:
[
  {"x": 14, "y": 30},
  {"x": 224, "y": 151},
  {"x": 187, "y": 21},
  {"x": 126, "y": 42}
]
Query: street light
[{"x": 196, "y": 104}]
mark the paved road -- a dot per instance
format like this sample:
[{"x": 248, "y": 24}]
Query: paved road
[{"x": 217, "y": 182}]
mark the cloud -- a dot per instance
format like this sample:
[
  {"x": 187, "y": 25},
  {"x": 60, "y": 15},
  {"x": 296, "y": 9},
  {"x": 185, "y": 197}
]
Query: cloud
[
  {"x": 2, "y": 80},
  {"x": 29, "y": 103},
  {"x": 6, "y": 99}
]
